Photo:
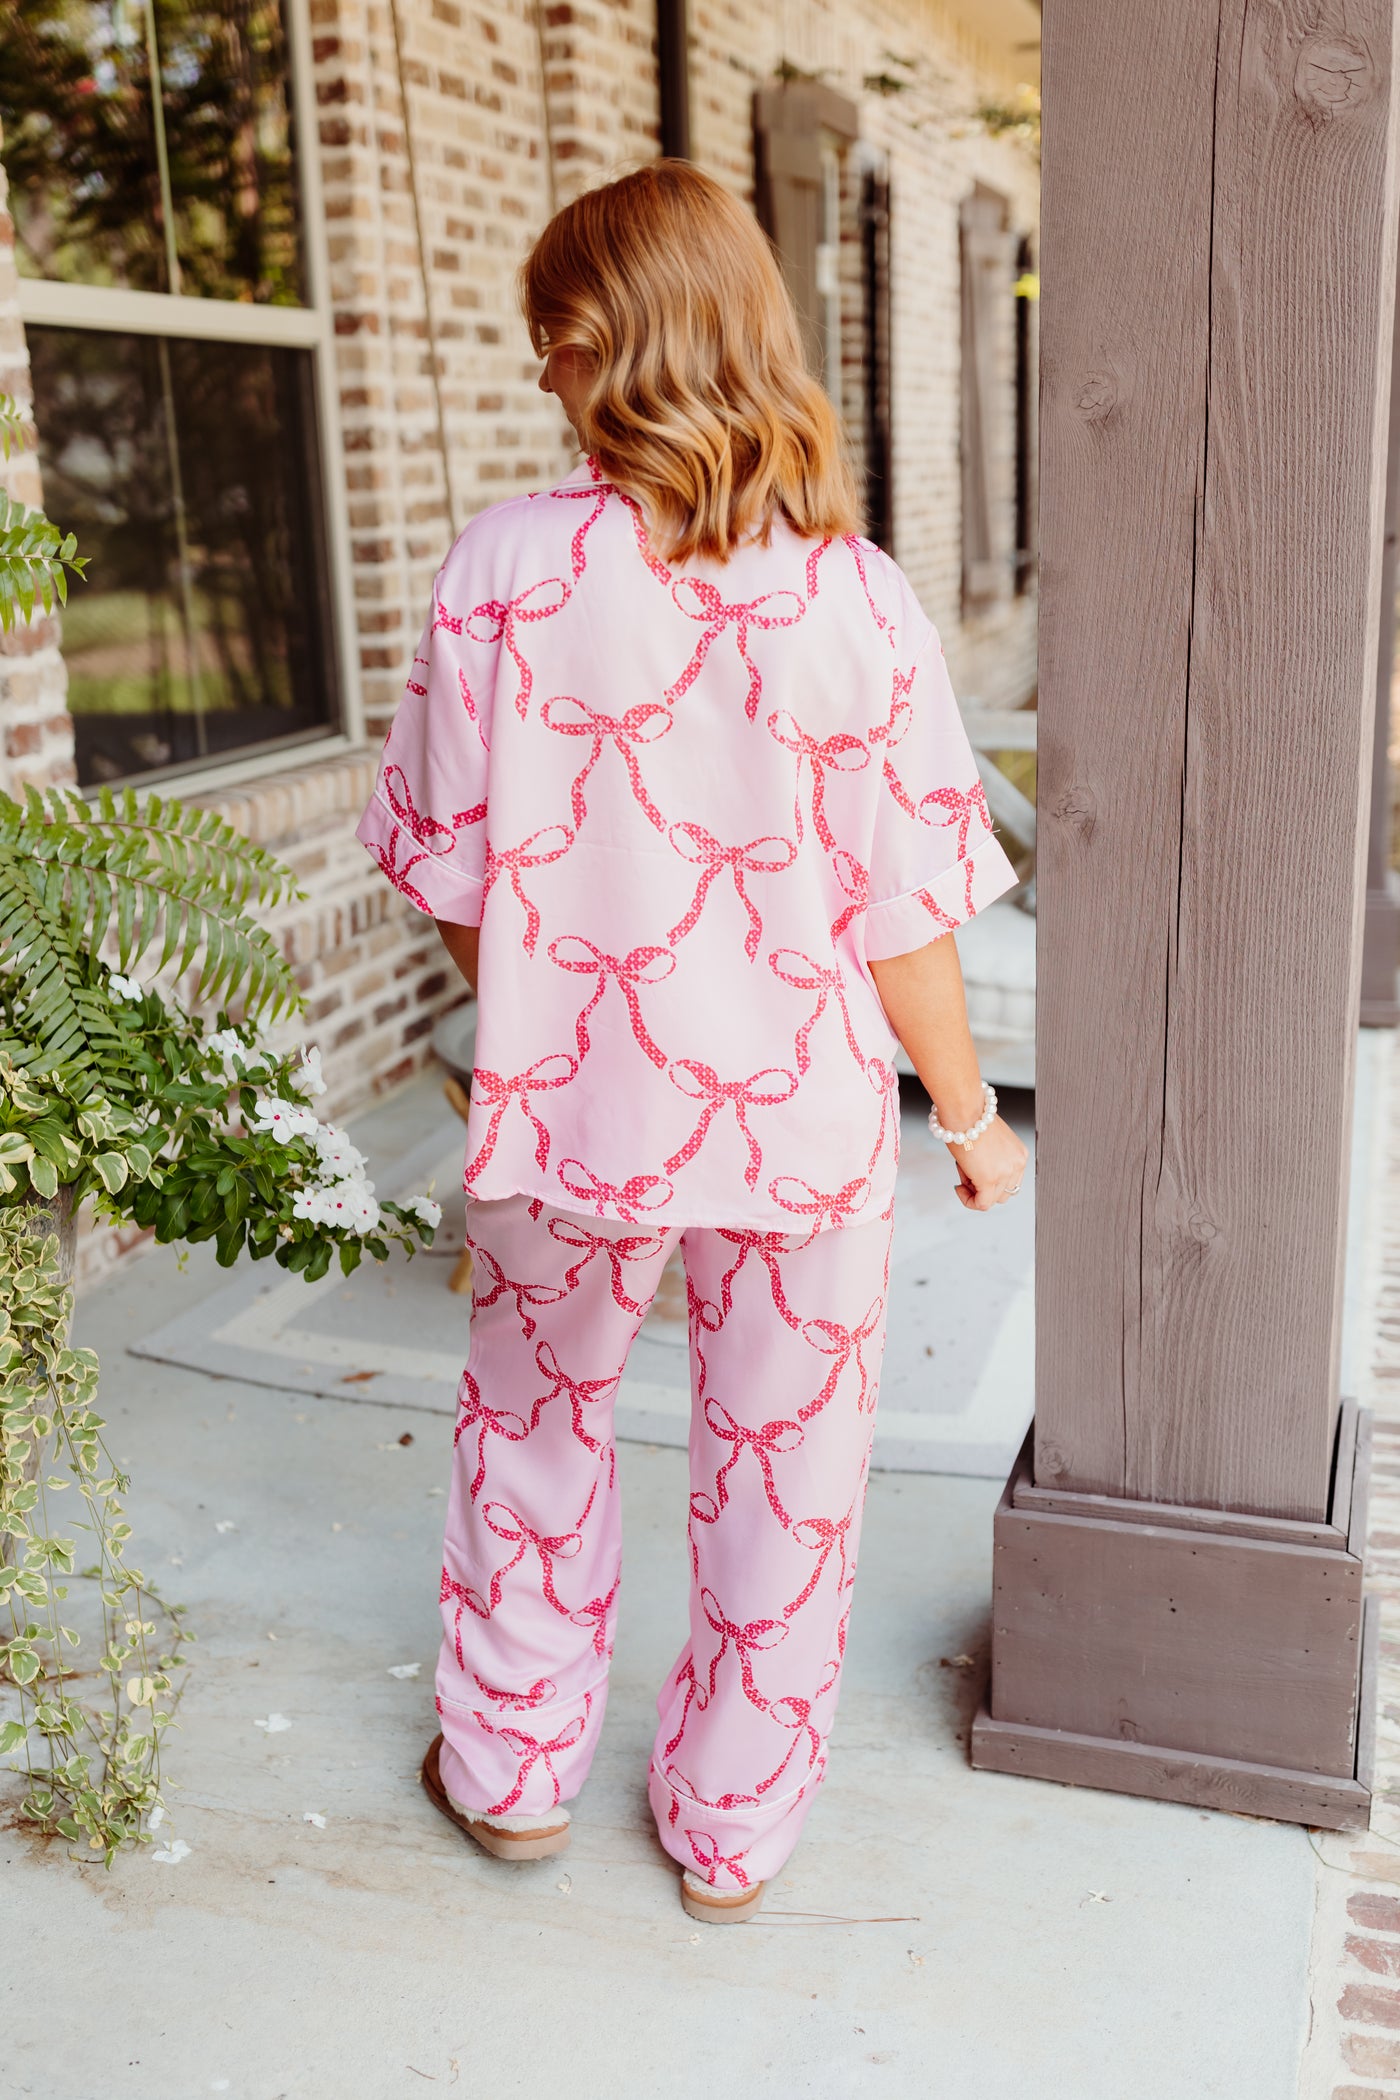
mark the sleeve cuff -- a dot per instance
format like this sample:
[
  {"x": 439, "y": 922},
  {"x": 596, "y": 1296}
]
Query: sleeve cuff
[
  {"x": 901, "y": 924},
  {"x": 430, "y": 880}
]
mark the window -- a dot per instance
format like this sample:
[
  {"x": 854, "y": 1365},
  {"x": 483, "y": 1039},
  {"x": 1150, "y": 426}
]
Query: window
[{"x": 179, "y": 347}]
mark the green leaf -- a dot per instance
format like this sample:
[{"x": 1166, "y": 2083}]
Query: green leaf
[
  {"x": 112, "y": 1167},
  {"x": 44, "y": 1175}
]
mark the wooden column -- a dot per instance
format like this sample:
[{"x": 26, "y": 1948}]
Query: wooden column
[
  {"x": 1380, "y": 948},
  {"x": 1178, "y": 1594}
]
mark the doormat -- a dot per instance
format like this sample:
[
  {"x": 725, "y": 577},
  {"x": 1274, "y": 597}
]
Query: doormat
[{"x": 955, "y": 1397}]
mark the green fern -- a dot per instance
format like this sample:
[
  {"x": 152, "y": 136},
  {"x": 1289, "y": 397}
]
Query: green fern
[
  {"x": 35, "y": 556},
  {"x": 15, "y": 426},
  {"x": 175, "y": 884}
]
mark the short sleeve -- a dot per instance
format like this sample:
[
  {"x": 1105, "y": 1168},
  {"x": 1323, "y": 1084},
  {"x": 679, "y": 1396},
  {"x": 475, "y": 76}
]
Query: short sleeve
[
  {"x": 425, "y": 823},
  {"x": 934, "y": 859}
]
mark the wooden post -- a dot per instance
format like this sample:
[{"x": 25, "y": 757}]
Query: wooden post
[
  {"x": 1178, "y": 1590},
  {"x": 1380, "y": 951}
]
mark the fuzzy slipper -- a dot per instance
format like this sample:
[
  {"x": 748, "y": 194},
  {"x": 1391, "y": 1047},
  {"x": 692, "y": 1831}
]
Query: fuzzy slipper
[
  {"x": 719, "y": 1906},
  {"x": 504, "y": 1837}
]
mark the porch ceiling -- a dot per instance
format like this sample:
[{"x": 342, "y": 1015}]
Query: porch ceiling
[{"x": 1008, "y": 31}]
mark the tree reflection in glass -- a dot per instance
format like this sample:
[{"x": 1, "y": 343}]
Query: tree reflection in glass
[{"x": 81, "y": 150}]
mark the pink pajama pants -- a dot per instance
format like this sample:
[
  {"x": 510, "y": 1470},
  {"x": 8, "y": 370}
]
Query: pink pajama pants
[{"x": 786, "y": 1335}]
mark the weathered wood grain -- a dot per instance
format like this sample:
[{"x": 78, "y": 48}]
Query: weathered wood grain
[
  {"x": 1213, "y": 1644},
  {"x": 1218, "y": 276},
  {"x": 1339, "y": 1530},
  {"x": 1239, "y": 1787}
]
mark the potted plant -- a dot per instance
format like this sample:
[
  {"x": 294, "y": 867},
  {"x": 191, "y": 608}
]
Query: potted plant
[{"x": 113, "y": 1087}]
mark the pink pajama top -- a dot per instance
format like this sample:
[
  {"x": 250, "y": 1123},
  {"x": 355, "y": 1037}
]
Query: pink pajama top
[{"x": 687, "y": 805}]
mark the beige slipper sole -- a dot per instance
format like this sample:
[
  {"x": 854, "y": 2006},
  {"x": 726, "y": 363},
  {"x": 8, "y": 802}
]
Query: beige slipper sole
[
  {"x": 716, "y": 1907},
  {"x": 501, "y": 1844}
]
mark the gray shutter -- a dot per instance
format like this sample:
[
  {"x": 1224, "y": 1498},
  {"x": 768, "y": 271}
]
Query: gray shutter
[
  {"x": 986, "y": 295},
  {"x": 790, "y": 121}
]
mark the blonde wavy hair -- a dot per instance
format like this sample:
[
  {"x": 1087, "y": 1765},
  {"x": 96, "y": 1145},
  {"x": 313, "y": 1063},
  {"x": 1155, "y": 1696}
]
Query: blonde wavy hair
[{"x": 701, "y": 406}]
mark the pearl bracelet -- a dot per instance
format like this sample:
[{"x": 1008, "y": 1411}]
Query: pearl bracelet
[{"x": 975, "y": 1130}]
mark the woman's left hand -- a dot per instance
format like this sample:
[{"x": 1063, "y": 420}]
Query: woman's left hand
[{"x": 991, "y": 1168}]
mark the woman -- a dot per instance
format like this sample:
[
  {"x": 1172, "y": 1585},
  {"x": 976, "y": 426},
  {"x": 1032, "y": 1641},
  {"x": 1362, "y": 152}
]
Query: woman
[{"x": 680, "y": 777}]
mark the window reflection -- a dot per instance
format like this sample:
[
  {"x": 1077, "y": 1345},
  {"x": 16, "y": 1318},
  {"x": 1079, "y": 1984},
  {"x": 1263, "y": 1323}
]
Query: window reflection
[
  {"x": 82, "y": 153},
  {"x": 186, "y": 470}
]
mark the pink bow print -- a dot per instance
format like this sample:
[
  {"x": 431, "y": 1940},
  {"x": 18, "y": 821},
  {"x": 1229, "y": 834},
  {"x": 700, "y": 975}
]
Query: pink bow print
[
  {"x": 500, "y": 618},
  {"x": 777, "y": 1436},
  {"x": 706, "y": 604},
  {"x": 836, "y": 754},
  {"x": 765, "y": 856},
  {"x": 642, "y": 1192},
  {"x": 825, "y": 1536},
  {"x": 801, "y": 1725},
  {"x": 855, "y": 881},
  {"x": 598, "y": 496},
  {"x": 531, "y": 1751},
  {"x": 473, "y": 1413},
  {"x": 962, "y": 807},
  {"x": 746, "y": 1641},
  {"x": 643, "y": 724},
  {"x": 562, "y": 1545},
  {"x": 701, "y": 1082},
  {"x": 523, "y": 1293},
  {"x": 804, "y": 1201},
  {"x": 595, "y": 1615},
  {"x": 467, "y": 1599},
  {"x": 636, "y": 1247},
  {"x": 496, "y": 1092},
  {"x": 805, "y": 975},
  {"x": 843, "y": 1344},
  {"x": 435, "y": 838},
  {"x": 640, "y": 966},
  {"x": 766, "y": 1247},
  {"x": 708, "y": 1857},
  {"x": 582, "y": 1392},
  {"x": 528, "y": 854},
  {"x": 539, "y": 1694}
]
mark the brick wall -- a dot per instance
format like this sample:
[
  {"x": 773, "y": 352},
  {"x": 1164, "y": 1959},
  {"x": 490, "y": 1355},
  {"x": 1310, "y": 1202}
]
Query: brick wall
[
  {"x": 36, "y": 733},
  {"x": 936, "y": 152}
]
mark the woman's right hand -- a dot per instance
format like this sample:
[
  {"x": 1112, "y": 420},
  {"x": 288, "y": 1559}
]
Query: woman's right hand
[{"x": 991, "y": 1168}]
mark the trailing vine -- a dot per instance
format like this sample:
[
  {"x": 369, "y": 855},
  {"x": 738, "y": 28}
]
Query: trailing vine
[{"x": 98, "y": 1775}]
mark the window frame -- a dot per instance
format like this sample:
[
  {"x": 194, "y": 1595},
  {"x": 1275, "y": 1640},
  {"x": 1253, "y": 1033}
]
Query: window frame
[{"x": 47, "y": 302}]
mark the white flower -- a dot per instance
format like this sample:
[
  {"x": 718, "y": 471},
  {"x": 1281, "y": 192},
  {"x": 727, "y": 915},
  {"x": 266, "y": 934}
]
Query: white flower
[
  {"x": 424, "y": 1207},
  {"x": 171, "y": 1855},
  {"x": 235, "y": 1055},
  {"x": 335, "y": 1153},
  {"x": 274, "y": 1724},
  {"x": 307, "y": 1078},
  {"x": 311, "y": 1204},
  {"x": 125, "y": 987},
  {"x": 285, "y": 1119},
  {"x": 350, "y": 1204},
  {"x": 156, "y": 1817}
]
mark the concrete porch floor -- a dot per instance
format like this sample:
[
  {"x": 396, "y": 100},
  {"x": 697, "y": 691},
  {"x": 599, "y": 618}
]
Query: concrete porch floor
[{"x": 939, "y": 1935}]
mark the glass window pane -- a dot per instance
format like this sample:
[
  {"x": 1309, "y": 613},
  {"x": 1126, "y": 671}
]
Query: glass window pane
[
  {"x": 79, "y": 143},
  {"x": 226, "y": 72},
  {"x": 186, "y": 470},
  {"x": 81, "y": 150}
]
